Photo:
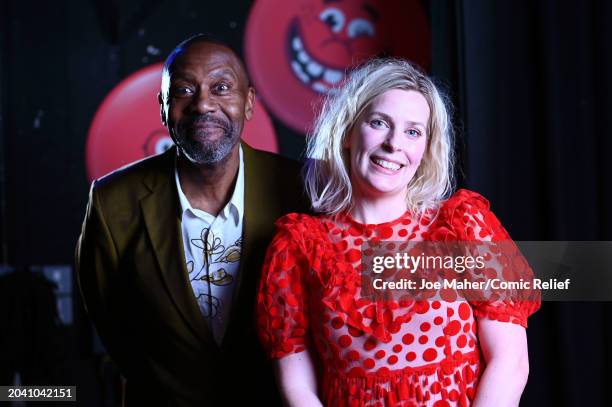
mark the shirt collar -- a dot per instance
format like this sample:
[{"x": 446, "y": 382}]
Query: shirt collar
[{"x": 235, "y": 206}]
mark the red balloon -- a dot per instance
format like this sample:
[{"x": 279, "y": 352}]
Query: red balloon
[{"x": 296, "y": 51}]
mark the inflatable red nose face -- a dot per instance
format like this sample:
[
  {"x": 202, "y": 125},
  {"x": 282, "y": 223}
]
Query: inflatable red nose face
[
  {"x": 297, "y": 50},
  {"x": 127, "y": 125}
]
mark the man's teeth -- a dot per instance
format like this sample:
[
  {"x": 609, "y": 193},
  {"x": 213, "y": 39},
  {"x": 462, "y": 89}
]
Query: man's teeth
[{"x": 387, "y": 164}]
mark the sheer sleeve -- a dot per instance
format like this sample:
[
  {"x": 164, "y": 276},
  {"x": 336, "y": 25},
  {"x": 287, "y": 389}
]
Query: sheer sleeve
[
  {"x": 282, "y": 303},
  {"x": 469, "y": 217}
]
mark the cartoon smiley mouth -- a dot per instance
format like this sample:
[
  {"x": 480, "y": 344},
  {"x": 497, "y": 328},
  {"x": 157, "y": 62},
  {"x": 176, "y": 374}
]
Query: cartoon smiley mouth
[{"x": 311, "y": 72}]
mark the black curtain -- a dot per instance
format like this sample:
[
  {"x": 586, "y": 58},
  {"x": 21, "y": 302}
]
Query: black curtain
[{"x": 531, "y": 83}]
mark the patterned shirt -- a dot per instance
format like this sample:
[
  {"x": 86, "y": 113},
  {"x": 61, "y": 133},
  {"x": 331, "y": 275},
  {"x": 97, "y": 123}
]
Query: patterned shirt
[{"x": 212, "y": 247}]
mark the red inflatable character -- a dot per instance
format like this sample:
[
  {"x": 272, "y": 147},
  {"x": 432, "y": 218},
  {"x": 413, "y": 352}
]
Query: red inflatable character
[
  {"x": 296, "y": 51},
  {"x": 127, "y": 125}
]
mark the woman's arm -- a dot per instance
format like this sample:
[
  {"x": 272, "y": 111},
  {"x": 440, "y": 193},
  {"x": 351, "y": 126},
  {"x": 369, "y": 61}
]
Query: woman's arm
[
  {"x": 504, "y": 346},
  {"x": 297, "y": 380}
]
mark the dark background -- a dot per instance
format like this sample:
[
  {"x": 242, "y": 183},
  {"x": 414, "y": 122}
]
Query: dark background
[{"x": 530, "y": 82}]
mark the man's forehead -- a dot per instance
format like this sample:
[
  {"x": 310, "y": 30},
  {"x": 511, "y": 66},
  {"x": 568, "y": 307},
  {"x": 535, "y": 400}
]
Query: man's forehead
[
  {"x": 212, "y": 70},
  {"x": 215, "y": 58}
]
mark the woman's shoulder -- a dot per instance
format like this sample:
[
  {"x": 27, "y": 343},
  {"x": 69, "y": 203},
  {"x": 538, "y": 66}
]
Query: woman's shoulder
[
  {"x": 302, "y": 229},
  {"x": 295, "y": 219},
  {"x": 302, "y": 223},
  {"x": 465, "y": 200},
  {"x": 466, "y": 215}
]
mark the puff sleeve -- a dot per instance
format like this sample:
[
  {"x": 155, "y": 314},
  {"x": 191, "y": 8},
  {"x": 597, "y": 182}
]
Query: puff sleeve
[
  {"x": 282, "y": 297},
  {"x": 467, "y": 217}
]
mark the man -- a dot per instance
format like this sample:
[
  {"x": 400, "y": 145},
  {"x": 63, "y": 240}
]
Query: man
[{"x": 171, "y": 247}]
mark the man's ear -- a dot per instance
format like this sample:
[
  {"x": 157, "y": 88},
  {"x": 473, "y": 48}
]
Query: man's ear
[
  {"x": 162, "y": 111},
  {"x": 250, "y": 103}
]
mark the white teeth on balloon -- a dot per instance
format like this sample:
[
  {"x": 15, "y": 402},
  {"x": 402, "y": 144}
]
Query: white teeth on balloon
[
  {"x": 303, "y": 57},
  {"x": 297, "y": 44},
  {"x": 314, "y": 69},
  {"x": 387, "y": 164},
  {"x": 313, "y": 73},
  {"x": 332, "y": 76},
  {"x": 319, "y": 87},
  {"x": 297, "y": 69}
]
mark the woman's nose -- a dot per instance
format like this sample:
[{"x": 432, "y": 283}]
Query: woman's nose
[{"x": 392, "y": 141}]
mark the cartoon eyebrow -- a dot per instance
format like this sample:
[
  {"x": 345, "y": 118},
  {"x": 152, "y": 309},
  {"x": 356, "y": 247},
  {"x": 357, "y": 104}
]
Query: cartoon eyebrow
[{"x": 368, "y": 8}]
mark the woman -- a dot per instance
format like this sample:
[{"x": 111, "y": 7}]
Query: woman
[{"x": 381, "y": 168}]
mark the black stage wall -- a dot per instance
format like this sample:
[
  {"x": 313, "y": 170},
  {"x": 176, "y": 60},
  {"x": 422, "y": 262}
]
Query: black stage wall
[{"x": 533, "y": 88}]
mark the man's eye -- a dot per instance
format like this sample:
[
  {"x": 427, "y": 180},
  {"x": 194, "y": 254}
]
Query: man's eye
[
  {"x": 181, "y": 91},
  {"x": 222, "y": 87}
]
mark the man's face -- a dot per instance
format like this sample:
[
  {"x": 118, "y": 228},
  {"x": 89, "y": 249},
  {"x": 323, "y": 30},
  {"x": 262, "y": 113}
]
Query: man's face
[{"x": 208, "y": 100}]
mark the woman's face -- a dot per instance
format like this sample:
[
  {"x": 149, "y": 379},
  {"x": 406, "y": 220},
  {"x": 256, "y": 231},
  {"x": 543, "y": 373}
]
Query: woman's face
[{"x": 387, "y": 143}]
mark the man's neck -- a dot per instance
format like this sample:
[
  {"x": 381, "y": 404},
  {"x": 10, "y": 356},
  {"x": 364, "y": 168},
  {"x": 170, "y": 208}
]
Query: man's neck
[{"x": 209, "y": 187}]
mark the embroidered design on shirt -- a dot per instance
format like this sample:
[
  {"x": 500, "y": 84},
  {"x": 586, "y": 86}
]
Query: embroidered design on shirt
[
  {"x": 209, "y": 305},
  {"x": 214, "y": 253}
]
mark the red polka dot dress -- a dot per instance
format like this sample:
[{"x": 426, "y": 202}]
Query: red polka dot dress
[{"x": 375, "y": 353}]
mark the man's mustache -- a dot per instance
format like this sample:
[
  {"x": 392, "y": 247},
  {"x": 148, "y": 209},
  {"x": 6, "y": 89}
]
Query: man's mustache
[{"x": 206, "y": 118}]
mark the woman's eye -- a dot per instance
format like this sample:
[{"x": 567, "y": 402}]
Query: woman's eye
[
  {"x": 377, "y": 124},
  {"x": 413, "y": 133}
]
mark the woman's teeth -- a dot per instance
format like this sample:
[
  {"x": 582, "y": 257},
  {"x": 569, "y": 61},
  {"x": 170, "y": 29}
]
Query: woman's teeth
[{"x": 386, "y": 164}]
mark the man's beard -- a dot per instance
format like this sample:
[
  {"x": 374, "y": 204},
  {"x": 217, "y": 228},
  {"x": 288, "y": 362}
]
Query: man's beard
[{"x": 205, "y": 152}]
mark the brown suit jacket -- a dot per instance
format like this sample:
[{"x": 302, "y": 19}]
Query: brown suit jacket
[{"x": 133, "y": 278}]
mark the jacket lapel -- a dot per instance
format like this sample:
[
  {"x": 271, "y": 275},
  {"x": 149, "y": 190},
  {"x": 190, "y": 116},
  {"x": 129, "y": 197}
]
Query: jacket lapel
[
  {"x": 257, "y": 223},
  {"x": 161, "y": 214}
]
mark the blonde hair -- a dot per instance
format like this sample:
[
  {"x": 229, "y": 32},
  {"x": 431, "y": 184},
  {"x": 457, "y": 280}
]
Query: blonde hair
[{"x": 326, "y": 173}]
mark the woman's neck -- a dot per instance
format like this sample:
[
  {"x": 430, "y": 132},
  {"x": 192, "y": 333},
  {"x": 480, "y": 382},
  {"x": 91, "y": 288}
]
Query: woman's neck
[{"x": 378, "y": 209}]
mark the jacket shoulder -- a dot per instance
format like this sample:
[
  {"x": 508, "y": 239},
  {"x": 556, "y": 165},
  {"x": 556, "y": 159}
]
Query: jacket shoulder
[
  {"x": 275, "y": 161},
  {"x": 275, "y": 179},
  {"x": 132, "y": 177}
]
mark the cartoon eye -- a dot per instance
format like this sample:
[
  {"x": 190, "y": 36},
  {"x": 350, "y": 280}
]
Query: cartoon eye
[
  {"x": 360, "y": 27},
  {"x": 163, "y": 144},
  {"x": 334, "y": 18},
  {"x": 157, "y": 142}
]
